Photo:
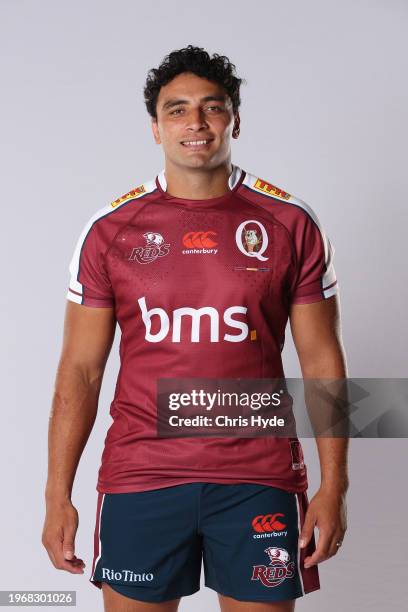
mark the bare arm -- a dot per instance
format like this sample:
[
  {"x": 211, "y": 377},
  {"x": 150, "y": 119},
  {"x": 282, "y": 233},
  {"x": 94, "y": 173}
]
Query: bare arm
[
  {"x": 87, "y": 340},
  {"x": 316, "y": 332}
]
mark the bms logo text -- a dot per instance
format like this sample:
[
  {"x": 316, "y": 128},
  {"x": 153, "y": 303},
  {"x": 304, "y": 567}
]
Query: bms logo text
[{"x": 194, "y": 316}]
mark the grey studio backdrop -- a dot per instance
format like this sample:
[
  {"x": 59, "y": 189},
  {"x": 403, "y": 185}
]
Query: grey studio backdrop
[{"x": 323, "y": 116}]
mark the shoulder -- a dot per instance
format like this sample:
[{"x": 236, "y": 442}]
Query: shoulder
[
  {"x": 137, "y": 193},
  {"x": 119, "y": 209},
  {"x": 279, "y": 202}
]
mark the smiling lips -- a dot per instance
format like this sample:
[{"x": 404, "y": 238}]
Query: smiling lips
[{"x": 196, "y": 144}]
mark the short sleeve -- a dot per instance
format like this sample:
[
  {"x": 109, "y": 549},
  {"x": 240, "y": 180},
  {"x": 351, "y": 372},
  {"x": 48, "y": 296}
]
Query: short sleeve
[
  {"x": 315, "y": 275},
  {"x": 89, "y": 282}
]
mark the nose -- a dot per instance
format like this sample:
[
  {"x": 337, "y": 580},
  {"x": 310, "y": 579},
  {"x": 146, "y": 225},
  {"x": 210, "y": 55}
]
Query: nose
[{"x": 196, "y": 119}]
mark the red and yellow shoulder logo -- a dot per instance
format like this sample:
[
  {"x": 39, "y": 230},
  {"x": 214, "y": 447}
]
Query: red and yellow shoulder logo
[
  {"x": 270, "y": 189},
  {"x": 131, "y": 195}
]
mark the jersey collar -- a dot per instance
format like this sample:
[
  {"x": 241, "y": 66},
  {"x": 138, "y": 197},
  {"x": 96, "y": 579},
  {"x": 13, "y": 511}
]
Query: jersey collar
[{"x": 234, "y": 177}]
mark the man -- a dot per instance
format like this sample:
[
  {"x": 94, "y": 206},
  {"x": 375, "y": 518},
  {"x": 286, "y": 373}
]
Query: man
[{"x": 201, "y": 266}]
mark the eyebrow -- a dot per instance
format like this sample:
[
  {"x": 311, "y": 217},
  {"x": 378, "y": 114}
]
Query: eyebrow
[{"x": 170, "y": 103}]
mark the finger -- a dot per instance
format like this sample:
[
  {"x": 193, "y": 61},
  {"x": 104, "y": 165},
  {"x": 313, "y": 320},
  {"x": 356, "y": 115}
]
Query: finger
[
  {"x": 77, "y": 562},
  {"x": 52, "y": 557},
  {"x": 57, "y": 557},
  {"x": 51, "y": 546},
  {"x": 334, "y": 549},
  {"x": 68, "y": 545},
  {"x": 74, "y": 565},
  {"x": 54, "y": 550},
  {"x": 322, "y": 548},
  {"x": 307, "y": 530},
  {"x": 70, "y": 566}
]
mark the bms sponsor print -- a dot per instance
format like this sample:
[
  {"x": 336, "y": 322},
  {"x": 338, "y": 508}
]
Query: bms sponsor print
[{"x": 195, "y": 315}]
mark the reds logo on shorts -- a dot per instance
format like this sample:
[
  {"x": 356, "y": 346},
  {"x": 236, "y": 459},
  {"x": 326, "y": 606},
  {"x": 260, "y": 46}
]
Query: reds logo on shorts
[{"x": 279, "y": 568}]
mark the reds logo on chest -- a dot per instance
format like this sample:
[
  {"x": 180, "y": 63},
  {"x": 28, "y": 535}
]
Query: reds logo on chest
[{"x": 155, "y": 247}]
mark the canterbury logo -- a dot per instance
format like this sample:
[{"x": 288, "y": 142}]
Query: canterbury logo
[
  {"x": 268, "y": 522},
  {"x": 199, "y": 240}
]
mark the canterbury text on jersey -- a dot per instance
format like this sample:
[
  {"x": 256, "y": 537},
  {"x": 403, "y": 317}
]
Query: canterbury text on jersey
[{"x": 200, "y": 288}]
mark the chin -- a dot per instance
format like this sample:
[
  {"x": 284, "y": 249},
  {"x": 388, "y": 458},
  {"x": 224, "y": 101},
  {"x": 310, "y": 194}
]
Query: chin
[{"x": 197, "y": 163}]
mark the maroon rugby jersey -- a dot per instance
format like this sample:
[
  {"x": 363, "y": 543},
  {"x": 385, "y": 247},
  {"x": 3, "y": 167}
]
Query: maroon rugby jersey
[{"x": 200, "y": 288}]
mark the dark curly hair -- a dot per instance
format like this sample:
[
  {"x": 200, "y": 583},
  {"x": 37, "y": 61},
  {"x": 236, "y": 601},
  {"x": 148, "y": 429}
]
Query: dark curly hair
[{"x": 216, "y": 68}]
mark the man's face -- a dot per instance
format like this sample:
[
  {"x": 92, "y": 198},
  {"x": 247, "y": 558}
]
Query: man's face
[{"x": 192, "y": 109}]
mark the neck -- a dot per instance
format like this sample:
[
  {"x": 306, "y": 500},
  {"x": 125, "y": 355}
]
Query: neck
[{"x": 197, "y": 183}]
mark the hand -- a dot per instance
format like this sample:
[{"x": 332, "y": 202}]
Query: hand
[
  {"x": 328, "y": 511},
  {"x": 58, "y": 536}
]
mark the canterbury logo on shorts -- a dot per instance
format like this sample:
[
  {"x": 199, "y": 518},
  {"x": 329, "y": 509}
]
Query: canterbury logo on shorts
[{"x": 268, "y": 522}]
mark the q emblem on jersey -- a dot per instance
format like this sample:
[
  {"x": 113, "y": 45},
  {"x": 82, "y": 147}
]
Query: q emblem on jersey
[{"x": 252, "y": 239}]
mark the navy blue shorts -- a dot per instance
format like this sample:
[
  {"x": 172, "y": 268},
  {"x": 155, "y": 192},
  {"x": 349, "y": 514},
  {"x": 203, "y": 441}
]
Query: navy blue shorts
[{"x": 150, "y": 545}]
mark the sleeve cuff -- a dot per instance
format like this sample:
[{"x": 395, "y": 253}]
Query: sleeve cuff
[
  {"x": 316, "y": 295},
  {"x": 96, "y": 302}
]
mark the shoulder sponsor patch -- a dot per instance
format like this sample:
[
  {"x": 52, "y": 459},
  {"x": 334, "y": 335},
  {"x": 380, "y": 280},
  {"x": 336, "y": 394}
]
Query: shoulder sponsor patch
[
  {"x": 270, "y": 189},
  {"x": 131, "y": 195}
]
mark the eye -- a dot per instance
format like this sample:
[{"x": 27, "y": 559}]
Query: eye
[
  {"x": 217, "y": 108},
  {"x": 176, "y": 111}
]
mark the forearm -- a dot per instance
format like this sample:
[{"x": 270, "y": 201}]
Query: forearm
[
  {"x": 333, "y": 453},
  {"x": 73, "y": 414},
  {"x": 328, "y": 363}
]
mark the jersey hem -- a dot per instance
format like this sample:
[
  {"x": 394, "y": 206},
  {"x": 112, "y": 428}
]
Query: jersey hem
[{"x": 301, "y": 488}]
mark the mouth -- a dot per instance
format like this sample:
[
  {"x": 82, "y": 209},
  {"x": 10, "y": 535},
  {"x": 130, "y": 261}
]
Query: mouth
[{"x": 197, "y": 145}]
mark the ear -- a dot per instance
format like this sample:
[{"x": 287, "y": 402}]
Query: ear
[
  {"x": 155, "y": 130},
  {"x": 236, "y": 128}
]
